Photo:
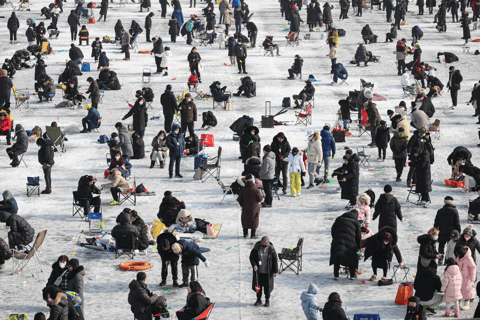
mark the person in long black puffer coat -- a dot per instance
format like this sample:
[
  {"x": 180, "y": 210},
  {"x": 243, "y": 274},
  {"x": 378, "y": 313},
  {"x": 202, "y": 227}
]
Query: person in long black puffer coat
[
  {"x": 388, "y": 208},
  {"x": 140, "y": 116},
  {"x": 347, "y": 235},
  {"x": 428, "y": 250},
  {"x": 382, "y": 138},
  {"x": 351, "y": 178},
  {"x": 311, "y": 16},
  {"x": 103, "y": 11},
  {"x": 250, "y": 143},
  {"x": 421, "y": 163},
  {"x": 446, "y": 221},
  {"x": 465, "y": 27},
  {"x": 327, "y": 16},
  {"x": 333, "y": 308},
  {"x": 415, "y": 310}
]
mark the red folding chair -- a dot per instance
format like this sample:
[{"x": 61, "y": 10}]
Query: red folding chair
[
  {"x": 364, "y": 125},
  {"x": 304, "y": 116},
  {"x": 205, "y": 314}
]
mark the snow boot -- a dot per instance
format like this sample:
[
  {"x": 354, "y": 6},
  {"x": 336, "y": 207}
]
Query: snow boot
[
  {"x": 164, "y": 282},
  {"x": 175, "y": 283},
  {"x": 162, "y": 164},
  {"x": 47, "y": 191},
  {"x": 466, "y": 305},
  {"x": 447, "y": 312},
  {"x": 259, "y": 302},
  {"x": 457, "y": 313},
  {"x": 267, "y": 303},
  {"x": 152, "y": 164},
  {"x": 398, "y": 177}
]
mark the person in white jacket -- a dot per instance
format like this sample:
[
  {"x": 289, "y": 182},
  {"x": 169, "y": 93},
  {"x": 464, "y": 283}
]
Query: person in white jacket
[
  {"x": 297, "y": 168},
  {"x": 166, "y": 55},
  {"x": 314, "y": 155}
]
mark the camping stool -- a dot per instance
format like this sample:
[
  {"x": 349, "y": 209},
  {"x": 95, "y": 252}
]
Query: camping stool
[
  {"x": 33, "y": 185},
  {"x": 147, "y": 73},
  {"x": 101, "y": 94},
  {"x": 343, "y": 81},
  {"x": 95, "y": 222},
  {"x": 298, "y": 75},
  {"x": 21, "y": 160},
  {"x": 466, "y": 50},
  {"x": 396, "y": 269}
]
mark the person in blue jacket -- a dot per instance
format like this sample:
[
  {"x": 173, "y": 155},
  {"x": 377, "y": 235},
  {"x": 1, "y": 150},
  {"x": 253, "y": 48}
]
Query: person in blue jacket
[
  {"x": 339, "y": 72},
  {"x": 90, "y": 122},
  {"x": 177, "y": 13},
  {"x": 190, "y": 254},
  {"x": 328, "y": 147},
  {"x": 9, "y": 204},
  {"x": 310, "y": 305},
  {"x": 175, "y": 144}
]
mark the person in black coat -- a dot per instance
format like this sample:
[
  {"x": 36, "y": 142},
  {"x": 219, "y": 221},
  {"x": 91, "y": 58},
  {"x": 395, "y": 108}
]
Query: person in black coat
[
  {"x": 392, "y": 34},
  {"x": 306, "y": 94},
  {"x": 465, "y": 27},
  {"x": 40, "y": 67},
  {"x": 173, "y": 28},
  {"x": 40, "y": 31},
  {"x": 103, "y": 11},
  {"x": 345, "y": 108},
  {"x": 382, "y": 138},
  {"x": 118, "y": 30},
  {"x": 8, "y": 65},
  {"x": 428, "y": 251},
  {"x": 21, "y": 233},
  {"x": 148, "y": 24},
  {"x": 75, "y": 54},
  {"x": 74, "y": 23},
  {"x": 389, "y": 209},
  {"x": 45, "y": 158},
  {"x": 361, "y": 55},
  {"x": 399, "y": 15},
  {"x": 13, "y": 24},
  {"x": 381, "y": 247},
  {"x": 253, "y": 166},
  {"x": 460, "y": 153},
  {"x": 446, "y": 221},
  {"x": 282, "y": 149},
  {"x": 96, "y": 48},
  {"x": 351, "y": 178},
  {"x": 58, "y": 270},
  {"x": 347, "y": 235},
  {"x": 145, "y": 4},
  {"x": 421, "y": 163},
  {"x": 85, "y": 191},
  {"x": 125, "y": 227},
  {"x": 454, "y": 80},
  {"x": 209, "y": 120},
  {"x": 426, "y": 283},
  {"x": 164, "y": 245},
  {"x": 192, "y": 145},
  {"x": 31, "y": 35},
  {"x": 263, "y": 259},
  {"x": 197, "y": 302},
  {"x": 140, "y": 116},
  {"x": 327, "y": 16},
  {"x": 194, "y": 63},
  {"x": 170, "y": 106},
  {"x": 252, "y": 32},
  {"x": 57, "y": 302},
  {"x": 240, "y": 51},
  {"x": 415, "y": 309},
  {"x": 333, "y": 308},
  {"x": 296, "y": 67}
]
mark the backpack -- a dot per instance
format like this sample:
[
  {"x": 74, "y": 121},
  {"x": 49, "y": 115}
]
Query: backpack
[
  {"x": 103, "y": 139},
  {"x": 286, "y": 102},
  {"x": 85, "y": 67},
  {"x": 140, "y": 189},
  {"x": 371, "y": 194}
]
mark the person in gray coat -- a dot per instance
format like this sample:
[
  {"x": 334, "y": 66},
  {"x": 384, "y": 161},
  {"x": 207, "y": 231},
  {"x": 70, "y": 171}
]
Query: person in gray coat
[
  {"x": 19, "y": 147},
  {"x": 267, "y": 174},
  {"x": 75, "y": 276},
  {"x": 126, "y": 44},
  {"x": 125, "y": 142}
]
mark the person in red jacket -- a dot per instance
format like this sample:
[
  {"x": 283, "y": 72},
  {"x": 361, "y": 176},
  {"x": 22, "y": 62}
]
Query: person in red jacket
[{"x": 5, "y": 126}]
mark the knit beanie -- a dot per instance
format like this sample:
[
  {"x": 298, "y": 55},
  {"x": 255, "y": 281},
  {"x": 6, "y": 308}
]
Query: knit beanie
[
  {"x": 250, "y": 178},
  {"x": 387, "y": 188},
  {"x": 468, "y": 230},
  {"x": 267, "y": 148},
  {"x": 448, "y": 200},
  {"x": 454, "y": 235},
  {"x": 74, "y": 263},
  {"x": 168, "y": 193}
]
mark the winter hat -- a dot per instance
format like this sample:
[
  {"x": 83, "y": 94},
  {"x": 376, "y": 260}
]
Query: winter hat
[
  {"x": 90, "y": 79},
  {"x": 294, "y": 7},
  {"x": 454, "y": 235},
  {"x": 176, "y": 248},
  {"x": 422, "y": 132},
  {"x": 382, "y": 123},
  {"x": 390, "y": 112},
  {"x": 468, "y": 230},
  {"x": 267, "y": 148},
  {"x": 74, "y": 263},
  {"x": 166, "y": 48},
  {"x": 387, "y": 188},
  {"x": 4, "y": 72},
  {"x": 250, "y": 178},
  {"x": 139, "y": 92},
  {"x": 295, "y": 150},
  {"x": 88, "y": 107},
  {"x": 310, "y": 132},
  {"x": 402, "y": 104},
  {"x": 368, "y": 94},
  {"x": 105, "y": 174},
  {"x": 168, "y": 193},
  {"x": 448, "y": 200},
  {"x": 97, "y": 38},
  {"x": 281, "y": 135}
]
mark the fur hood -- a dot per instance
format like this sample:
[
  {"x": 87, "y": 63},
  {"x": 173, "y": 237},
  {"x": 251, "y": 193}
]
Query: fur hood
[
  {"x": 253, "y": 160},
  {"x": 364, "y": 196}
]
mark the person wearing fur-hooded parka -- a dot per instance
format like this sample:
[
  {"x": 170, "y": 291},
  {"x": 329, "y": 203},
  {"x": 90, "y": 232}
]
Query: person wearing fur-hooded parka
[
  {"x": 253, "y": 166},
  {"x": 363, "y": 208},
  {"x": 452, "y": 284},
  {"x": 469, "y": 270}
]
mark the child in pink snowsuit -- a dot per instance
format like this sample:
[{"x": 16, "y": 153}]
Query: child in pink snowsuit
[
  {"x": 363, "y": 208},
  {"x": 452, "y": 287},
  {"x": 468, "y": 269}
]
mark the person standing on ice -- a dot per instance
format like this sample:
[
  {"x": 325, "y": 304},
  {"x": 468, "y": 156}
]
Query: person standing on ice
[
  {"x": 175, "y": 143},
  {"x": 194, "y": 63},
  {"x": 263, "y": 259},
  {"x": 389, "y": 209},
  {"x": 267, "y": 174},
  {"x": 453, "y": 84},
  {"x": 45, "y": 158},
  {"x": 249, "y": 198},
  {"x": 126, "y": 44}
]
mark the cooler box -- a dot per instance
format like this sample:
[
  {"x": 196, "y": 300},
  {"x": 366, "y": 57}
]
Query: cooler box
[{"x": 207, "y": 140}]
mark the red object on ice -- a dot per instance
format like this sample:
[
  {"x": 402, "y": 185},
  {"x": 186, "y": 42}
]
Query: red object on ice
[
  {"x": 363, "y": 281},
  {"x": 130, "y": 105}
]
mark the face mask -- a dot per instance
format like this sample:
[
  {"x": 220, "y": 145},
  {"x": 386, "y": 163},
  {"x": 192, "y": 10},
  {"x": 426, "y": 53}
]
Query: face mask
[
  {"x": 253, "y": 133},
  {"x": 62, "y": 265},
  {"x": 467, "y": 237},
  {"x": 50, "y": 299},
  {"x": 188, "y": 100},
  {"x": 435, "y": 238},
  {"x": 162, "y": 138},
  {"x": 118, "y": 158},
  {"x": 386, "y": 242},
  {"x": 177, "y": 131},
  {"x": 412, "y": 309}
]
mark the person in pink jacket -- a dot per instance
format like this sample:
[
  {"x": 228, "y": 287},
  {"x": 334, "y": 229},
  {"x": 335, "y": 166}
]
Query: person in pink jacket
[
  {"x": 468, "y": 269},
  {"x": 363, "y": 208},
  {"x": 452, "y": 287}
]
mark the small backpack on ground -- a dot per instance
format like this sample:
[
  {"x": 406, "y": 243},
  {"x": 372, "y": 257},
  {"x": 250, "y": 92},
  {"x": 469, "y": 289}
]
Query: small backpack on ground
[
  {"x": 103, "y": 138},
  {"x": 286, "y": 103},
  {"x": 85, "y": 67}
]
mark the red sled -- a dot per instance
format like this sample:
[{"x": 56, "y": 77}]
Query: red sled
[
  {"x": 207, "y": 140},
  {"x": 91, "y": 20}
]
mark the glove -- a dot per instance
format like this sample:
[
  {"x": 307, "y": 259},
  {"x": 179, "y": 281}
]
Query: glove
[
  {"x": 304, "y": 174},
  {"x": 207, "y": 263}
]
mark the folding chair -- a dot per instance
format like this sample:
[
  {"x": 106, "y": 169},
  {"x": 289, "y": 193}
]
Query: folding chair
[
  {"x": 33, "y": 185},
  {"x": 102, "y": 93},
  {"x": 412, "y": 191},
  {"x": 298, "y": 75},
  {"x": 205, "y": 314},
  {"x": 177, "y": 118},
  {"x": 291, "y": 259},
  {"x": 435, "y": 128},
  {"x": 219, "y": 104},
  {"x": 77, "y": 207},
  {"x": 44, "y": 51},
  {"x": 95, "y": 222},
  {"x": 125, "y": 245},
  {"x": 97, "y": 129},
  {"x": 304, "y": 116},
  {"x": 130, "y": 196},
  {"x": 21, "y": 259},
  {"x": 20, "y": 159},
  {"x": 211, "y": 168},
  {"x": 409, "y": 91},
  {"x": 364, "y": 157},
  {"x": 365, "y": 85},
  {"x": 364, "y": 125},
  {"x": 22, "y": 99},
  {"x": 268, "y": 52},
  {"x": 343, "y": 81},
  {"x": 226, "y": 189},
  {"x": 56, "y": 135},
  {"x": 146, "y": 74}
]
